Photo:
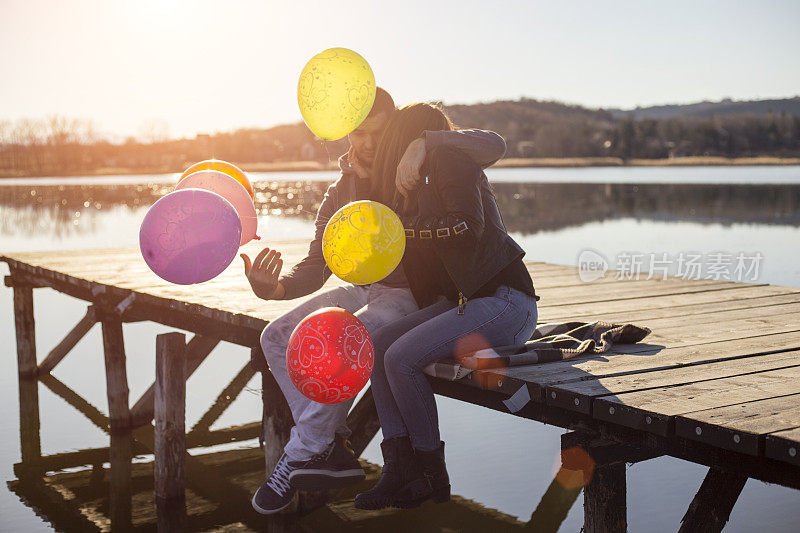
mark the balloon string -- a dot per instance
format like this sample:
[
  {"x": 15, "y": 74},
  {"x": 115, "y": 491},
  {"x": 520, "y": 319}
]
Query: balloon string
[{"x": 327, "y": 150}]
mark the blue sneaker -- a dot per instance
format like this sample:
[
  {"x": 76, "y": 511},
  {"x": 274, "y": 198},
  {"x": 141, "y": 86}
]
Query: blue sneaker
[
  {"x": 276, "y": 493},
  {"x": 333, "y": 468}
]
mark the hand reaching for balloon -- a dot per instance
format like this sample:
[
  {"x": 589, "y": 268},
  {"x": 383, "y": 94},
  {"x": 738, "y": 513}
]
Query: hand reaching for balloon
[
  {"x": 408, "y": 169},
  {"x": 263, "y": 274},
  {"x": 360, "y": 169}
]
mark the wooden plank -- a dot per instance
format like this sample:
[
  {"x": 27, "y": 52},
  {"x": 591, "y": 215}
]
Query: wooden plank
[
  {"x": 742, "y": 427},
  {"x": 628, "y": 359},
  {"x": 68, "y": 342},
  {"x": 784, "y": 446},
  {"x": 654, "y": 410},
  {"x": 61, "y": 461},
  {"x": 566, "y": 311},
  {"x": 578, "y": 395},
  {"x": 752, "y": 314},
  {"x": 601, "y": 294},
  {"x": 712, "y": 505},
  {"x": 693, "y": 310}
]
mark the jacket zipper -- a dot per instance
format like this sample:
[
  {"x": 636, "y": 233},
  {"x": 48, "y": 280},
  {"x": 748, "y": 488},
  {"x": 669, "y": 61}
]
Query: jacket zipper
[{"x": 462, "y": 302}]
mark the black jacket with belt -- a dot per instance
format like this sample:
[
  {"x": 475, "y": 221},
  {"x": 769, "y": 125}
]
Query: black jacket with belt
[{"x": 458, "y": 230}]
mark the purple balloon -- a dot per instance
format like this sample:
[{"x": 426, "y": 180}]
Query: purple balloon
[{"x": 190, "y": 236}]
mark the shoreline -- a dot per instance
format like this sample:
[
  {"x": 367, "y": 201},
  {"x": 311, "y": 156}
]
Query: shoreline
[{"x": 533, "y": 162}]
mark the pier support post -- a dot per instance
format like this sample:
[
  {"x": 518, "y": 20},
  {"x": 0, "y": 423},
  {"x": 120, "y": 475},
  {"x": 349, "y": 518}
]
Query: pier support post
[
  {"x": 604, "y": 500},
  {"x": 116, "y": 373},
  {"x": 119, "y": 422},
  {"x": 276, "y": 426},
  {"x": 30, "y": 443},
  {"x": 119, "y": 477},
  {"x": 25, "y": 329},
  {"x": 602, "y": 464},
  {"x": 277, "y": 420},
  {"x": 170, "y": 432},
  {"x": 712, "y": 505}
]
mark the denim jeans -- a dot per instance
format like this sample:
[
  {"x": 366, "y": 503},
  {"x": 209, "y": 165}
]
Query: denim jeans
[
  {"x": 316, "y": 423},
  {"x": 403, "y": 396}
]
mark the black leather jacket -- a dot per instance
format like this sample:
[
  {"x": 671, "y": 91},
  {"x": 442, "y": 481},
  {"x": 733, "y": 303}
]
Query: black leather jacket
[{"x": 458, "y": 221}]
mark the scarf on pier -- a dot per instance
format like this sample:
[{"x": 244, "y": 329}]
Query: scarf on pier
[{"x": 554, "y": 341}]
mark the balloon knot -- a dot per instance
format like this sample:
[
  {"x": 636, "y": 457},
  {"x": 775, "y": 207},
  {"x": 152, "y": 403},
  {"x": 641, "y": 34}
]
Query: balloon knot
[{"x": 256, "y": 238}]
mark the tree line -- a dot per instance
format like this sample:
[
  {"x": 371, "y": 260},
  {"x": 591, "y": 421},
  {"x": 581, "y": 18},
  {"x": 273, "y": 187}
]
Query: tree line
[{"x": 57, "y": 145}]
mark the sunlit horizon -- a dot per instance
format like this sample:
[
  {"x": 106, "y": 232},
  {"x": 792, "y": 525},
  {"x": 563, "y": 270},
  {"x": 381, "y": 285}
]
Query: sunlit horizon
[{"x": 188, "y": 68}]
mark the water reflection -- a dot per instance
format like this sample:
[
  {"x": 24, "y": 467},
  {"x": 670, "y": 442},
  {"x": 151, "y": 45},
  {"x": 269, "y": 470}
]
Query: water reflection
[
  {"x": 527, "y": 208},
  {"x": 111, "y": 489}
]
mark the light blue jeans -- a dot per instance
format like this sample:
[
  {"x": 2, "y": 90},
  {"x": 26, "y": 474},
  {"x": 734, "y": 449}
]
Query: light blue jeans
[
  {"x": 403, "y": 396},
  {"x": 316, "y": 424}
]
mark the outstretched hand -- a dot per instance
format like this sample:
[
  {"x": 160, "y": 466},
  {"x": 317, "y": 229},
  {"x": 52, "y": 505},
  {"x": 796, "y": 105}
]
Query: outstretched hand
[
  {"x": 407, "y": 178},
  {"x": 263, "y": 274}
]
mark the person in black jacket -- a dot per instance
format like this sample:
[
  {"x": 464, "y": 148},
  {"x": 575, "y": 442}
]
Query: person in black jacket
[
  {"x": 317, "y": 455},
  {"x": 467, "y": 275}
]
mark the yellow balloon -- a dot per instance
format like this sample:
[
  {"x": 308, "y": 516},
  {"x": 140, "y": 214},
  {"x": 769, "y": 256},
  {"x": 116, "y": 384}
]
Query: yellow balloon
[
  {"x": 363, "y": 242},
  {"x": 335, "y": 92}
]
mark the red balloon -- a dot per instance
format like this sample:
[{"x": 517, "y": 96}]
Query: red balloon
[{"x": 330, "y": 355}]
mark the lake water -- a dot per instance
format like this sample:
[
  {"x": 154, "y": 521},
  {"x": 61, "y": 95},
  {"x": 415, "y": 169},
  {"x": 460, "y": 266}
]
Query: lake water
[{"x": 494, "y": 459}]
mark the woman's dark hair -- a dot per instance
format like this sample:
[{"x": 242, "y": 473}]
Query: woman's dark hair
[
  {"x": 383, "y": 103},
  {"x": 405, "y": 125}
]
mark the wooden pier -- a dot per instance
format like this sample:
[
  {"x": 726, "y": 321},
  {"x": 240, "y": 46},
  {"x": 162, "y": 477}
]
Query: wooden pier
[{"x": 716, "y": 383}]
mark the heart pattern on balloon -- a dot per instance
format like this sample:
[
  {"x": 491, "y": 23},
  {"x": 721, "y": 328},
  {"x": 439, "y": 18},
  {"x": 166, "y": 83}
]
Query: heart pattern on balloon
[
  {"x": 313, "y": 95},
  {"x": 366, "y": 218},
  {"x": 358, "y": 96},
  {"x": 341, "y": 265},
  {"x": 173, "y": 238},
  {"x": 310, "y": 344}
]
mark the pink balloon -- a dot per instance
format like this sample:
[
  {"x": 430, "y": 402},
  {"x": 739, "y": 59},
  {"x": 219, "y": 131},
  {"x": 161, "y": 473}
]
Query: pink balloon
[
  {"x": 190, "y": 236},
  {"x": 231, "y": 190}
]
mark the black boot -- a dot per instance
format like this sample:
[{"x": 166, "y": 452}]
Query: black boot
[
  {"x": 402, "y": 482},
  {"x": 434, "y": 468}
]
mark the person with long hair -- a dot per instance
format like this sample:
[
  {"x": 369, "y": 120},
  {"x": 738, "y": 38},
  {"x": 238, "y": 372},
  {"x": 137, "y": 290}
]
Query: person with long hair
[
  {"x": 318, "y": 455},
  {"x": 467, "y": 276}
]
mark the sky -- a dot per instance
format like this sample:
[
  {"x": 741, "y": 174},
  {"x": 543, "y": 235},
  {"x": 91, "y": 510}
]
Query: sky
[{"x": 206, "y": 66}]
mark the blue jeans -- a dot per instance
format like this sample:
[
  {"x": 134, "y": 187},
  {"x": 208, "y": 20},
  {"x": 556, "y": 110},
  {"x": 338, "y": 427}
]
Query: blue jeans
[
  {"x": 317, "y": 423},
  {"x": 403, "y": 396}
]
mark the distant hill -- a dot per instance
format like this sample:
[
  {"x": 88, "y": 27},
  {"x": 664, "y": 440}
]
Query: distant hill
[
  {"x": 727, "y": 128},
  {"x": 531, "y": 128},
  {"x": 790, "y": 106}
]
